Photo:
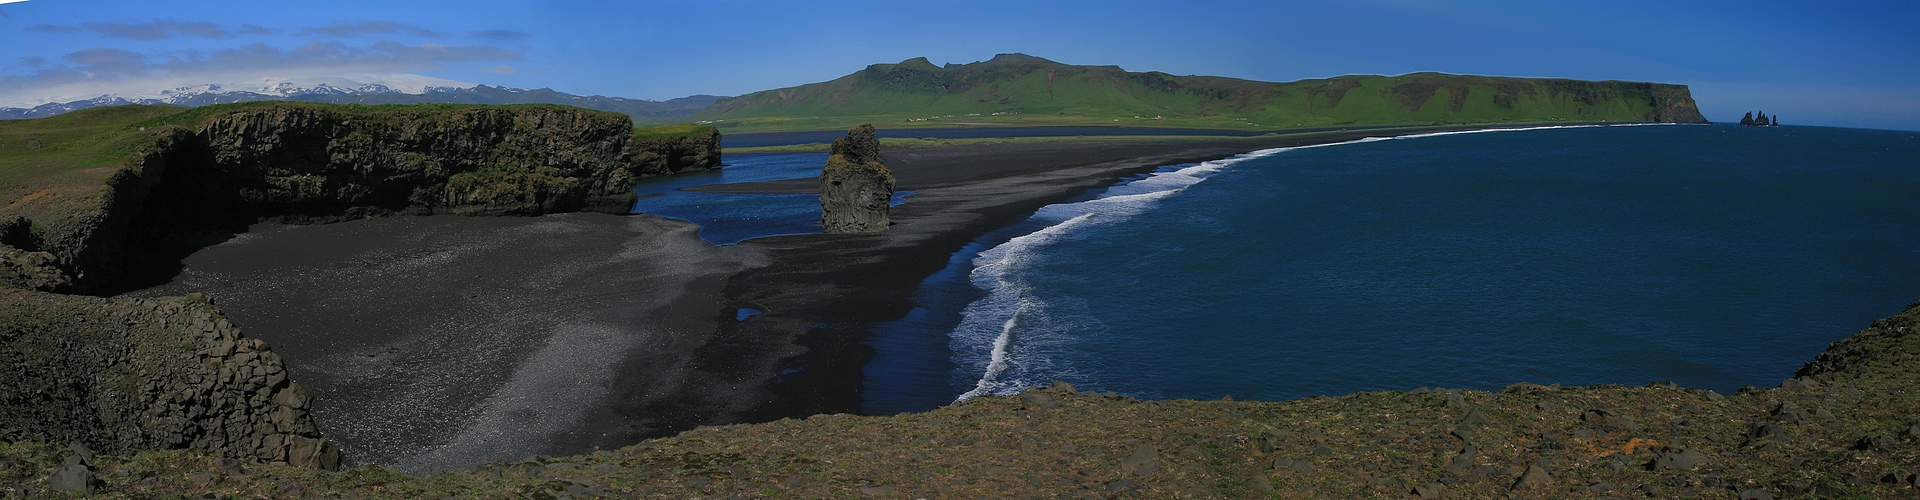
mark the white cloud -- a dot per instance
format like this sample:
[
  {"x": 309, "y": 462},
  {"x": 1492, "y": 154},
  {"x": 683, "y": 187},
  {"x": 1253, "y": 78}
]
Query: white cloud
[
  {"x": 152, "y": 30},
  {"x": 89, "y": 73},
  {"x": 348, "y": 30}
]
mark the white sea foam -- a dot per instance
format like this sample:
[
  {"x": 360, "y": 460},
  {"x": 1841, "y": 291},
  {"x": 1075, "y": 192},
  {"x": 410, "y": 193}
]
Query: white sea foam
[{"x": 984, "y": 341}]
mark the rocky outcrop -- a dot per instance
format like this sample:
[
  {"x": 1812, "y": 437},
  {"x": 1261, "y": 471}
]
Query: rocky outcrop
[
  {"x": 1761, "y": 121},
  {"x": 122, "y": 375},
  {"x": 855, "y": 187},
  {"x": 26, "y": 269},
  {"x": 223, "y": 169},
  {"x": 674, "y": 154}
]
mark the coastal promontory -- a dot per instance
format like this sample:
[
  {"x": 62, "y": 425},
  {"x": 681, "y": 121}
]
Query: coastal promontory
[{"x": 108, "y": 198}]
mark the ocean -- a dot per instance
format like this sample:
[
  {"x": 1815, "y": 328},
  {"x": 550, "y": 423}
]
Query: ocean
[{"x": 1712, "y": 256}]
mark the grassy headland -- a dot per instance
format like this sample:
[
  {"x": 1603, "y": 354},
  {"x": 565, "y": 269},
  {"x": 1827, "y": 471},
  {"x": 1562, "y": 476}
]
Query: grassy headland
[
  {"x": 1843, "y": 428},
  {"x": 1025, "y": 90},
  {"x": 72, "y": 150}
]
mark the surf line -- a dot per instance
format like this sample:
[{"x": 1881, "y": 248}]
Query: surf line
[{"x": 990, "y": 323}]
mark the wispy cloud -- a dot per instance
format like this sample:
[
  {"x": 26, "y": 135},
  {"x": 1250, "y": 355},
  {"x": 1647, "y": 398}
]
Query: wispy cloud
[
  {"x": 152, "y": 30},
  {"x": 92, "y": 72},
  {"x": 160, "y": 29},
  {"x": 363, "y": 47},
  {"x": 349, "y": 30},
  {"x": 54, "y": 28},
  {"x": 500, "y": 35}
]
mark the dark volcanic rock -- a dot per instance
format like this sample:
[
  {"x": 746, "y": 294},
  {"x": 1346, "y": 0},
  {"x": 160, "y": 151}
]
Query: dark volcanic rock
[
  {"x": 1678, "y": 460},
  {"x": 297, "y": 162},
  {"x": 1535, "y": 476},
  {"x": 122, "y": 375},
  {"x": 73, "y": 478},
  {"x": 855, "y": 187}
]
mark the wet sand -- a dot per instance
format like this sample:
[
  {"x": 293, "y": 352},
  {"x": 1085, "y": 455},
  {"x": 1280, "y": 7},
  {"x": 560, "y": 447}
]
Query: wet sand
[{"x": 446, "y": 341}]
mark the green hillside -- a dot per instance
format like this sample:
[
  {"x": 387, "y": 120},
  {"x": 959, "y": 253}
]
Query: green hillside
[{"x": 1021, "y": 89}]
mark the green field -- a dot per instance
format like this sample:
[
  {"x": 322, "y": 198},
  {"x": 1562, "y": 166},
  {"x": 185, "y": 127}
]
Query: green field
[
  {"x": 896, "y": 143},
  {"x": 79, "y": 140},
  {"x": 1024, "y": 90}
]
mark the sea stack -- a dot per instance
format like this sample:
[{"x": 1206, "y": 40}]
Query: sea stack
[{"x": 855, "y": 186}]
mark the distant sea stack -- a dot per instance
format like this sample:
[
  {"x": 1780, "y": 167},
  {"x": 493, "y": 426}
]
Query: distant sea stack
[
  {"x": 855, "y": 187},
  {"x": 1760, "y": 121}
]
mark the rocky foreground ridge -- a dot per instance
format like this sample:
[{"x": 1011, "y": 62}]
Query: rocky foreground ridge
[
  {"x": 1843, "y": 427},
  {"x": 124, "y": 375}
]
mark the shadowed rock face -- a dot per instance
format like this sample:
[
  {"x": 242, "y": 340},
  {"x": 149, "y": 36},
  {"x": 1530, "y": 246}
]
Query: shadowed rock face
[{"x": 855, "y": 186}]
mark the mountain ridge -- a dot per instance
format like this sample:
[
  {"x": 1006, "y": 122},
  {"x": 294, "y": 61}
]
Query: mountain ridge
[
  {"x": 355, "y": 92},
  {"x": 1020, "y": 88}
]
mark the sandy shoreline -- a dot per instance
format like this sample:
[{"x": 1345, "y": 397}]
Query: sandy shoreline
[
  {"x": 440, "y": 342},
  {"x": 443, "y": 341}
]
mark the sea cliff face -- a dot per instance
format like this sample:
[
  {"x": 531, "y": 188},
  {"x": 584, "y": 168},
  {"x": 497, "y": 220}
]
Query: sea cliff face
[
  {"x": 220, "y": 170},
  {"x": 123, "y": 375}
]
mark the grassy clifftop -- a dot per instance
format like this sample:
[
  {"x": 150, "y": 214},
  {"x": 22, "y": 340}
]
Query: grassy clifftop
[
  {"x": 1015, "y": 88},
  {"x": 1844, "y": 428}
]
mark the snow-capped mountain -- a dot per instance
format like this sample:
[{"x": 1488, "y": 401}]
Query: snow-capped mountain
[
  {"x": 255, "y": 90},
  {"x": 363, "y": 89}
]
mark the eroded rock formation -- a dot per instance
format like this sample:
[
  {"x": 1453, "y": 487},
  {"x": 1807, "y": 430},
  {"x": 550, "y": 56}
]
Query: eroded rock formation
[
  {"x": 122, "y": 375},
  {"x": 855, "y": 186},
  {"x": 301, "y": 162}
]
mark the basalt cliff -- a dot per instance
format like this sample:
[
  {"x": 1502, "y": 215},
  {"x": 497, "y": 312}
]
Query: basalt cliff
[
  {"x": 120, "y": 192},
  {"x": 855, "y": 187},
  {"x": 221, "y": 168}
]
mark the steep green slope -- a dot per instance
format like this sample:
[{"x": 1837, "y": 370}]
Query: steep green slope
[{"x": 1016, "y": 88}]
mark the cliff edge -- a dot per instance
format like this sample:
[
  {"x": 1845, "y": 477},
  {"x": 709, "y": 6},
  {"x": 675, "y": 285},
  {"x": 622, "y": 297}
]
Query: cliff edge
[
  {"x": 220, "y": 168},
  {"x": 108, "y": 193}
]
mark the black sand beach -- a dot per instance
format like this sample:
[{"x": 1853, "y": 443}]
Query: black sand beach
[{"x": 445, "y": 341}]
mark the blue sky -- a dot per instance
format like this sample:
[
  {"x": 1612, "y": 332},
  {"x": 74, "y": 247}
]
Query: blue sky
[{"x": 1851, "y": 64}]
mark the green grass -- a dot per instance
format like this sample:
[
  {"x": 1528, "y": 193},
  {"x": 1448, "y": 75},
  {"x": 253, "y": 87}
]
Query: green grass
[
  {"x": 893, "y": 143},
  {"x": 666, "y": 131},
  {"x": 104, "y": 136},
  {"x": 72, "y": 142},
  {"x": 1022, "y": 90}
]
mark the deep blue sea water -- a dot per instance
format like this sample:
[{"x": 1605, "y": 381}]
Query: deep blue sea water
[{"x": 1711, "y": 256}]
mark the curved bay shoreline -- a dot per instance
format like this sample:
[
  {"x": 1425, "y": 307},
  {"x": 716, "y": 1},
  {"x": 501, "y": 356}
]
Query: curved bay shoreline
[
  {"x": 702, "y": 368},
  {"x": 437, "y": 342}
]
